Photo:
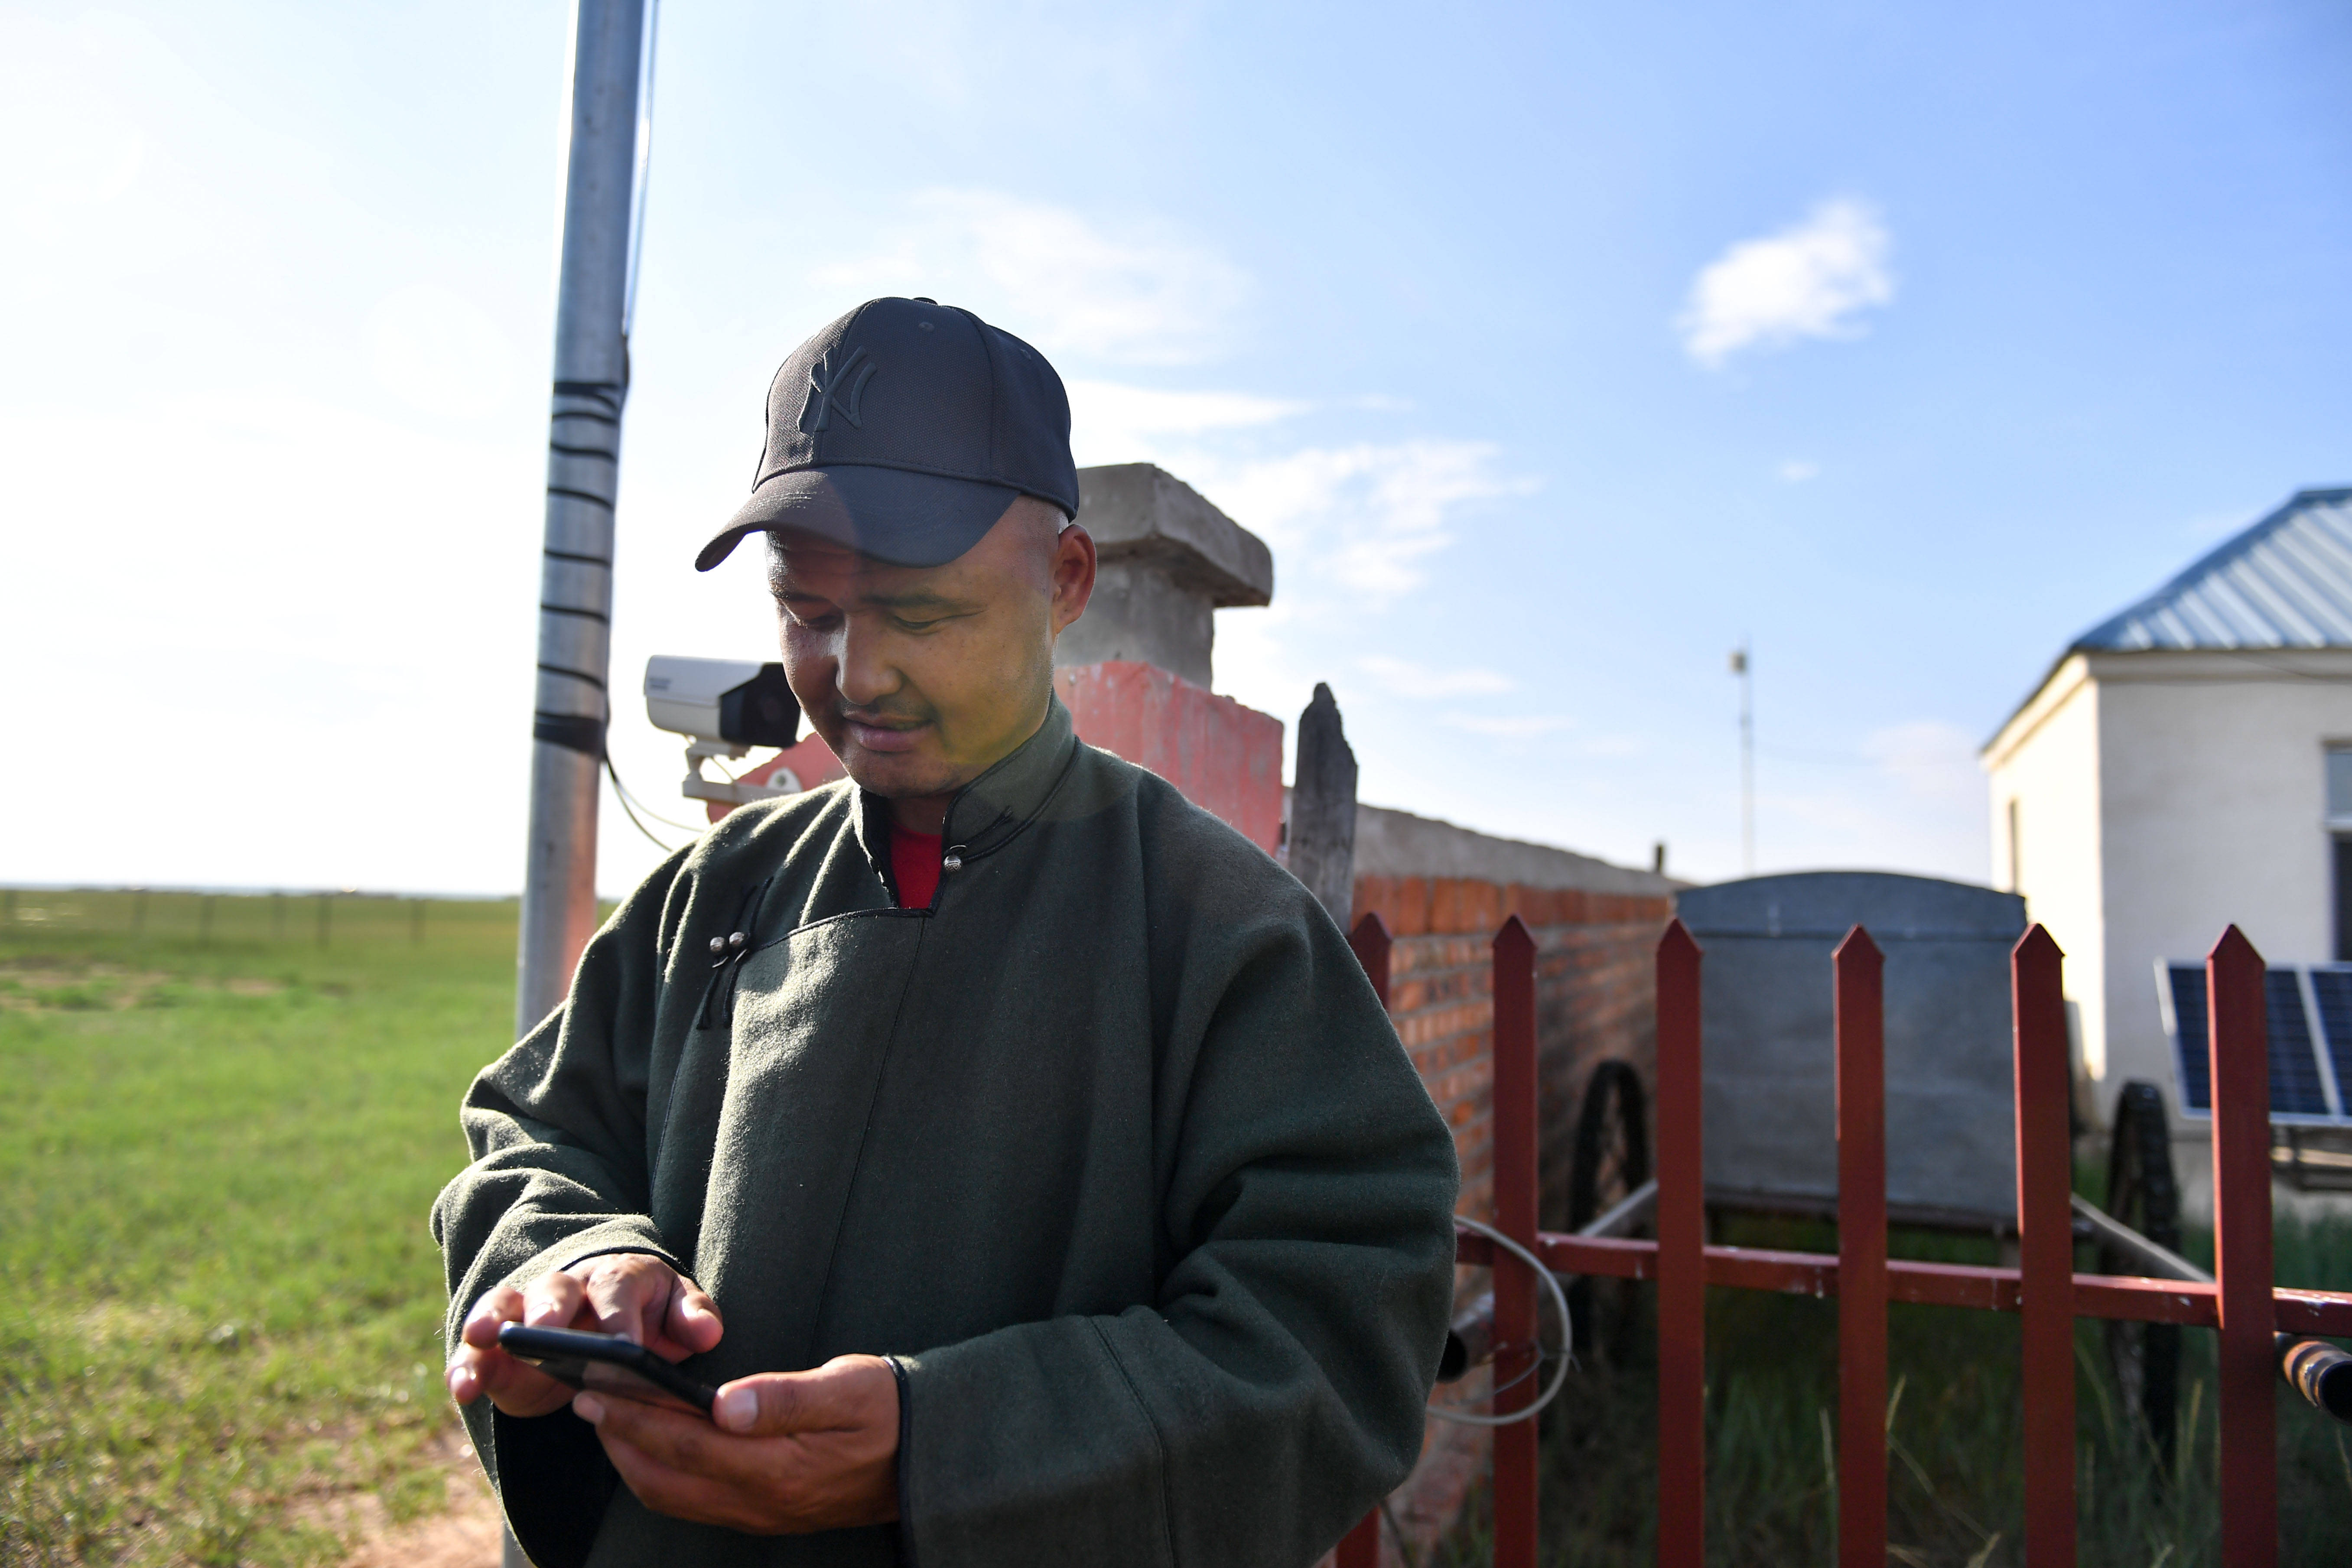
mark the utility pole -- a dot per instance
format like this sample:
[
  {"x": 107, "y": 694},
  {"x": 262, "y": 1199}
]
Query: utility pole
[
  {"x": 1747, "y": 759},
  {"x": 575, "y": 595}
]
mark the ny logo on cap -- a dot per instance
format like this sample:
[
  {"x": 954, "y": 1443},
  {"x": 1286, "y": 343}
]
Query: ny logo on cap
[{"x": 824, "y": 386}]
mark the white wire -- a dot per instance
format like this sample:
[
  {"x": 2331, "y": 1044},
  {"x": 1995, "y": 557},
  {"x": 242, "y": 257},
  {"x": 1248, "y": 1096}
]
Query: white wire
[{"x": 1567, "y": 1332}]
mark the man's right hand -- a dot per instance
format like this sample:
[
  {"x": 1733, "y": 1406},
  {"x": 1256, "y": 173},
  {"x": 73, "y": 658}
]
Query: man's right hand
[{"x": 633, "y": 1294}]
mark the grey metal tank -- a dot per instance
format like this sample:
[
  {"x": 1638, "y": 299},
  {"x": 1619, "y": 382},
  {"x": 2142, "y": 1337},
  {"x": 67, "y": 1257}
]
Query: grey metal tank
[{"x": 1768, "y": 1016}]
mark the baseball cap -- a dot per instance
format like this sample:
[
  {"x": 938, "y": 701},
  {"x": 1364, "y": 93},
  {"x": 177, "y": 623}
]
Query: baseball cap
[{"x": 903, "y": 430}]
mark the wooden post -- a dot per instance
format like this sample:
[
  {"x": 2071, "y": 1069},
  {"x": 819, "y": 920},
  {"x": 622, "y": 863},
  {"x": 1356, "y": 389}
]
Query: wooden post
[
  {"x": 2045, "y": 1225},
  {"x": 1862, "y": 1252},
  {"x": 2237, "y": 1036},
  {"x": 1322, "y": 841},
  {"x": 1514, "y": 1124},
  {"x": 1361, "y": 1546},
  {"x": 1682, "y": 1259}
]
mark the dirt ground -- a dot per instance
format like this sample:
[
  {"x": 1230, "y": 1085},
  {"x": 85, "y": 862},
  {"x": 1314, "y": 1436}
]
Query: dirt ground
[{"x": 466, "y": 1536}]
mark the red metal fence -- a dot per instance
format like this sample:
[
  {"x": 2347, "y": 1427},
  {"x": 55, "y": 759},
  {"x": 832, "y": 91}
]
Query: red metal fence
[{"x": 2044, "y": 1289}]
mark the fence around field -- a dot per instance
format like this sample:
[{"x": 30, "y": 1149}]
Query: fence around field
[
  {"x": 318, "y": 919},
  {"x": 2241, "y": 1303}
]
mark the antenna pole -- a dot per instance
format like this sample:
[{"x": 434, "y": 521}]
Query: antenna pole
[
  {"x": 1740, "y": 666},
  {"x": 575, "y": 596}
]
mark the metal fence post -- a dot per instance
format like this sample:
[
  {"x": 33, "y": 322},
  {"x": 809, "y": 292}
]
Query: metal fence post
[
  {"x": 1862, "y": 1252},
  {"x": 2046, "y": 1223},
  {"x": 1515, "y": 1344},
  {"x": 1682, "y": 1259},
  {"x": 2238, "y": 1040},
  {"x": 1372, "y": 943}
]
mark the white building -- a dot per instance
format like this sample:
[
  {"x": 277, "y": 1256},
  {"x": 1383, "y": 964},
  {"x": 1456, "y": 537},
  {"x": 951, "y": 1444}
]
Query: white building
[{"x": 2185, "y": 765}]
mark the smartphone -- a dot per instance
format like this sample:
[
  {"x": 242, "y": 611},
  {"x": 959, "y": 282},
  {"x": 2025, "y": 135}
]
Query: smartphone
[{"x": 607, "y": 1364}]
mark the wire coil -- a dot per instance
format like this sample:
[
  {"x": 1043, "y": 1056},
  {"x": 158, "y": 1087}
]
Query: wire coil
[{"x": 1567, "y": 1339}]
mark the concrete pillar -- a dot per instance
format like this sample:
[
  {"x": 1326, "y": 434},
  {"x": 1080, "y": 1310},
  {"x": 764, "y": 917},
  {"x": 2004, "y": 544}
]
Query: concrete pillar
[{"x": 1169, "y": 560}]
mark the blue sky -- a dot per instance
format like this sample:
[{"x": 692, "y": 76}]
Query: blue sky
[{"x": 1555, "y": 350}]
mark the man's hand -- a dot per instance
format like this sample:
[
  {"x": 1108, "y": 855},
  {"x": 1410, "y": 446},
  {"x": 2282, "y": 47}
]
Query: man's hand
[
  {"x": 633, "y": 1294},
  {"x": 784, "y": 1452}
]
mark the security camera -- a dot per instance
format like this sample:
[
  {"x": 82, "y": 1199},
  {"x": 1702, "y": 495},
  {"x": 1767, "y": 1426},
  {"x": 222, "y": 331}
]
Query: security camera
[
  {"x": 725, "y": 706},
  {"x": 722, "y": 699}
]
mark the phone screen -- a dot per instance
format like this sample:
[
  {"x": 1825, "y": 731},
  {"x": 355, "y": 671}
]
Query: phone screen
[
  {"x": 607, "y": 1364},
  {"x": 628, "y": 1383}
]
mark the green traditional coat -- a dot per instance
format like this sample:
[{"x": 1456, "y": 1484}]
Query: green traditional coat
[{"x": 1112, "y": 1147}]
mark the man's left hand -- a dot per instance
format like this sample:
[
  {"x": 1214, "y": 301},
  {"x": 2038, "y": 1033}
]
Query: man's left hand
[{"x": 784, "y": 1454}]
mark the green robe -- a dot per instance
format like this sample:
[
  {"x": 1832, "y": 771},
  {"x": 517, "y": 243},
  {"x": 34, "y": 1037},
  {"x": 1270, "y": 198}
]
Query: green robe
[{"x": 1112, "y": 1146}]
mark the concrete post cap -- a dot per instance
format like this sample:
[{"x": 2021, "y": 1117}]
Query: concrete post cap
[{"x": 1142, "y": 513}]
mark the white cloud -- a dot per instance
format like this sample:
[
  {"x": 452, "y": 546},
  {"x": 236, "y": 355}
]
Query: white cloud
[
  {"x": 1417, "y": 680},
  {"x": 1142, "y": 295},
  {"x": 1930, "y": 759},
  {"x": 1796, "y": 470},
  {"x": 1112, "y": 423},
  {"x": 1350, "y": 529},
  {"x": 1812, "y": 280},
  {"x": 1365, "y": 517}
]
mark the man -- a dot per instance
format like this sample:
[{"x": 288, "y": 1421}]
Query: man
[{"x": 1020, "y": 1149}]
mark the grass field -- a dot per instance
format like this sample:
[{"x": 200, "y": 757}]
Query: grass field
[
  {"x": 226, "y": 1119},
  {"x": 219, "y": 1142}
]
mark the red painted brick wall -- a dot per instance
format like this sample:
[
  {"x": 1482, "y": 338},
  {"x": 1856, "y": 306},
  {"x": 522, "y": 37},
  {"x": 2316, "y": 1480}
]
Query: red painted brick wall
[
  {"x": 1227, "y": 759},
  {"x": 1595, "y": 998}
]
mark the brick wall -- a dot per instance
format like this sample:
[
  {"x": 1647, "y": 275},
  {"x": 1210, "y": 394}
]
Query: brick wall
[
  {"x": 1225, "y": 758},
  {"x": 1595, "y": 998}
]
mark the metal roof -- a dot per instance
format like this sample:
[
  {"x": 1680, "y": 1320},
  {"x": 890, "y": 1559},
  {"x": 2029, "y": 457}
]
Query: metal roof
[{"x": 2286, "y": 582}]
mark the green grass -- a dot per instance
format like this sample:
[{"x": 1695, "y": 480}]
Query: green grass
[
  {"x": 1955, "y": 1462},
  {"x": 218, "y": 1144}
]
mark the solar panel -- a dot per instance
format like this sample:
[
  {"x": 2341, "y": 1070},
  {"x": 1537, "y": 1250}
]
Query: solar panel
[
  {"x": 2307, "y": 1089},
  {"x": 2331, "y": 990},
  {"x": 2296, "y": 1086},
  {"x": 2184, "y": 1017}
]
